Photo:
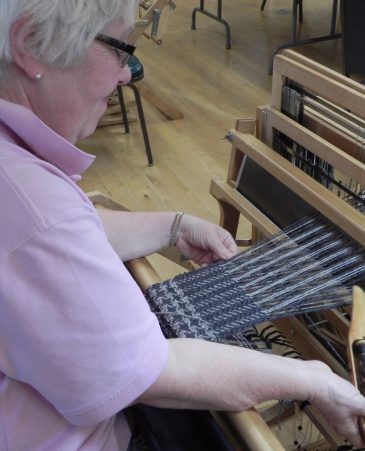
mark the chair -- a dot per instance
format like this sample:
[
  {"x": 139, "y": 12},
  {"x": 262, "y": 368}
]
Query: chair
[{"x": 137, "y": 73}]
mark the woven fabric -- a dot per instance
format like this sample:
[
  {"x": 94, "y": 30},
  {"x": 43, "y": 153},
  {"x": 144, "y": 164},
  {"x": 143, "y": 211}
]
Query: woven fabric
[{"x": 203, "y": 304}]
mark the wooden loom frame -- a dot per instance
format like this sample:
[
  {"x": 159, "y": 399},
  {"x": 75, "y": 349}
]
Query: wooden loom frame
[{"x": 324, "y": 140}]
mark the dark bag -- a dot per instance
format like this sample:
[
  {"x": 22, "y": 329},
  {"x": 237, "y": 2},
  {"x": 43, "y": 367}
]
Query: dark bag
[{"x": 157, "y": 429}]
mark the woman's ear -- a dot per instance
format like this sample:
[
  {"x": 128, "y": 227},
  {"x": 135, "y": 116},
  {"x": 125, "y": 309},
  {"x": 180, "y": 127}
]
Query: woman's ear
[{"x": 23, "y": 57}]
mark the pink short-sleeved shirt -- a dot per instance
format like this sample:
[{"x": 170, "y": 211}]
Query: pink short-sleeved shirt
[{"x": 78, "y": 342}]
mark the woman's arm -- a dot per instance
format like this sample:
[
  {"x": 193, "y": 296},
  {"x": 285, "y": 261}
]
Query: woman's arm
[
  {"x": 203, "y": 375},
  {"x": 137, "y": 234},
  {"x": 200, "y": 374}
]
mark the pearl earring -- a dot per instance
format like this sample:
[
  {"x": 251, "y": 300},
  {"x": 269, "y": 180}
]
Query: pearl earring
[{"x": 38, "y": 76}]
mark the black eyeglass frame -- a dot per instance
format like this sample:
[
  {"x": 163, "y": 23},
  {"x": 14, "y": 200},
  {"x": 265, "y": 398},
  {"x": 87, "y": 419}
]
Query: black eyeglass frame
[{"x": 126, "y": 50}]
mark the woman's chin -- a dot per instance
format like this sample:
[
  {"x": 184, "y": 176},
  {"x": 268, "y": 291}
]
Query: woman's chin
[
  {"x": 90, "y": 126},
  {"x": 87, "y": 131}
]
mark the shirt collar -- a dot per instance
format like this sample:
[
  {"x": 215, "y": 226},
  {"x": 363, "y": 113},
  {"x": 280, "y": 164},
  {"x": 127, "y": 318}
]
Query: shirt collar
[{"x": 43, "y": 141}]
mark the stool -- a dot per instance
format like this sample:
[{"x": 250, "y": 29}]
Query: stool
[{"x": 137, "y": 73}]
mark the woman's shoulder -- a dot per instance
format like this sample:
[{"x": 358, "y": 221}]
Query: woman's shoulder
[{"x": 36, "y": 195}]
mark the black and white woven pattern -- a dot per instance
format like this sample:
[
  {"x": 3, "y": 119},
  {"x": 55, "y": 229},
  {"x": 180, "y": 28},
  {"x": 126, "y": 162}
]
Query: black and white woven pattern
[{"x": 203, "y": 304}]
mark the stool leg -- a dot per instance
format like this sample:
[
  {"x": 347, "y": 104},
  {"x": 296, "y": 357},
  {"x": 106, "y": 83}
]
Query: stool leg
[
  {"x": 123, "y": 109},
  {"x": 263, "y": 5},
  {"x": 142, "y": 121}
]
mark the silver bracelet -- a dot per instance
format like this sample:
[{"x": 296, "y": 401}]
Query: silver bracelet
[{"x": 175, "y": 228}]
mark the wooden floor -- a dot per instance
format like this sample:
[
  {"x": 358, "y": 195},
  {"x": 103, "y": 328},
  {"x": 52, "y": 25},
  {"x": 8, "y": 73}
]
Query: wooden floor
[{"x": 212, "y": 87}]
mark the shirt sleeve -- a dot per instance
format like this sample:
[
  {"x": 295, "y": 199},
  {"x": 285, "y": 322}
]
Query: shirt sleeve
[{"x": 74, "y": 325}]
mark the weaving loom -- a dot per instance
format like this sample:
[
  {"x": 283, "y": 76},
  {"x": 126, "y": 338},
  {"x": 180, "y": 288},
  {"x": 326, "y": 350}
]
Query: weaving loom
[
  {"x": 307, "y": 253},
  {"x": 326, "y": 144}
]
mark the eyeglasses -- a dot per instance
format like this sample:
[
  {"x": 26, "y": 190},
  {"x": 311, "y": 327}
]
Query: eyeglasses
[{"x": 123, "y": 50}]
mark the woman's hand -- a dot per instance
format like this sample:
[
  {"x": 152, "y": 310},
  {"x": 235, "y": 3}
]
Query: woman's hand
[
  {"x": 340, "y": 403},
  {"x": 203, "y": 241}
]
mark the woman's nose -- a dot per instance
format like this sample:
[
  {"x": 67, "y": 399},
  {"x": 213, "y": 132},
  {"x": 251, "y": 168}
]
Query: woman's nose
[{"x": 125, "y": 75}]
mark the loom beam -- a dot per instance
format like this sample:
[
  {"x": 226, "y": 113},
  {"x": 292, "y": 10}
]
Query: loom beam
[{"x": 356, "y": 345}]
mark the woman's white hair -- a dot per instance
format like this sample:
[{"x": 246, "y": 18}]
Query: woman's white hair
[{"x": 62, "y": 30}]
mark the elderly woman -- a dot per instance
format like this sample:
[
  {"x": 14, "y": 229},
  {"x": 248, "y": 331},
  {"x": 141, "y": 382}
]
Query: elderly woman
[{"x": 77, "y": 341}]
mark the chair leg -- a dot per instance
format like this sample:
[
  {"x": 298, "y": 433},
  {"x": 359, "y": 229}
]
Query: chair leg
[
  {"x": 123, "y": 109},
  {"x": 142, "y": 121},
  {"x": 263, "y": 5}
]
